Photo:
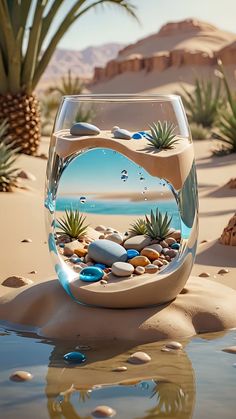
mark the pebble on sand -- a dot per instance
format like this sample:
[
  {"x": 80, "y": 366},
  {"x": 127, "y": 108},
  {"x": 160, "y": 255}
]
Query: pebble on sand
[
  {"x": 139, "y": 261},
  {"x": 122, "y": 269},
  {"x": 139, "y": 358},
  {"x": 223, "y": 271},
  {"x": 120, "y": 369},
  {"x": 26, "y": 241},
  {"x": 230, "y": 350},
  {"x": 75, "y": 357},
  {"x": 204, "y": 275},
  {"x": 139, "y": 270},
  {"x": 16, "y": 282},
  {"x": 174, "y": 345},
  {"x": 20, "y": 376},
  {"x": 122, "y": 134},
  {"x": 83, "y": 128},
  {"x": 103, "y": 412}
]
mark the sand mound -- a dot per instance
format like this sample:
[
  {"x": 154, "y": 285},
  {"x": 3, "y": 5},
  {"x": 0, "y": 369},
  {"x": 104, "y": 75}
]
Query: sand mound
[
  {"x": 203, "y": 306},
  {"x": 228, "y": 236}
]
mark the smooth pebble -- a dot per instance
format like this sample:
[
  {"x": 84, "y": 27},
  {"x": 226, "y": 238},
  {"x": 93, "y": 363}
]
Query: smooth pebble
[
  {"x": 16, "y": 281},
  {"x": 83, "y": 128},
  {"x": 151, "y": 254},
  {"x": 122, "y": 134},
  {"x": 115, "y": 237},
  {"x": 204, "y": 275},
  {"x": 151, "y": 269},
  {"x": 174, "y": 345},
  {"x": 131, "y": 253},
  {"x": 158, "y": 263},
  {"x": 230, "y": 350},
  {"x": 137, "y": 242},
  {"x": 175, "y": 246},
  {"x": 157, "y": 247},
  {"x": 122, "y": 269},
  {"x": 26, "y": 241},
  {"x": 120, "y": 369},
  {"x": 139, "y": 358},
  {"x": 137, "y": 136},
  {"x": 107, "y": 252},
  {"x": 171, "y": 253},
  {"x": 139, "y": 261},
  {"x": 170, "y": 240},
  {"x": 20, "y": 376},
  {"x": 139, "y": 270},
  {"x": 223, "y": 271},
  {"x": 164, "y": 244},
  {"x": 115, "y": 128},
  {"x": 103, "y": 412},
  {"x": 100, "y": 228}
]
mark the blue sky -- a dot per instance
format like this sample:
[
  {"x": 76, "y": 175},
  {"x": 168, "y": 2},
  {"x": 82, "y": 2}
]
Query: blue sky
[{"x": 109, "y": 24}]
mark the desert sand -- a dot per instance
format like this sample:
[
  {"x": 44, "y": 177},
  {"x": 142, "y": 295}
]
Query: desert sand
[{"x": 206, "y": 304}]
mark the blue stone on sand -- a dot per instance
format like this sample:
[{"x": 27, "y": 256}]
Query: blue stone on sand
[
  {"x": 106, "y": 252},
  {"x": 83, "y": 128},
  {"x": 123, "y": 134},
  {"x": 137, "y": 136},
  {"x": 91, "y": 274},
  {"x": 75, "y": 357},
  {"x": 131, "y": 253},
  {"x": 62, "y": 245},
  {"x": 100, "y": 265},
  {"x": 175, "y": 246}
]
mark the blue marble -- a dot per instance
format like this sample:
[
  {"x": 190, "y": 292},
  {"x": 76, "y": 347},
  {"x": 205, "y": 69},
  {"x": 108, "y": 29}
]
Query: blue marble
[
  {"x": 175, "y": 246},
  {"x": 62, "y": 245},
  {"x": 131, "y": 253},
  {"x": 107, "y": 252},
  {"x": 91, "y": 274},
  {"x": 123, "y": 134},
  {"x": 83, "y": 128},
  {"x": 137, "y": 136},
  {"x": 74, "y": 357},
  {"x": 100, "y": 265}
]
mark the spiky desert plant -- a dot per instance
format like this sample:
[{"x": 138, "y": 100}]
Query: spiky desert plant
[
  {"x": 68, "y": 85},
  {"x": 203, "y": 103},
  {"x": 199, "y": 132},
  {"x": 27, "y": 43},
  {"x": 227, "y": 120},
  {"x": 158, "y": 225},
  {"x": 163, "y": 135},
  {"x": 8, "y": 157},
  {"x": 72, "y": 224},
  {"x": 138, "y": 227}
]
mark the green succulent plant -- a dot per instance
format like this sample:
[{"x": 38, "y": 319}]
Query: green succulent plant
[
  {"x": 158, "y": 225},
  {"x": 8, "y": 156},
  {"x": 203, "y": 103},
  {"x": 138, "y": 227},
  {"x": 72, "y": 224},
  {"x": 163, "y": 135},
  {"x": 227, "y": 121}
]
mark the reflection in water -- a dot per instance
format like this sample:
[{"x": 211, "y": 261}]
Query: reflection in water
[{"x": 164, "y": 388}]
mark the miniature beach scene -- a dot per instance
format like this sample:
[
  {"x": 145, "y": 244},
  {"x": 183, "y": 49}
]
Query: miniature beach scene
[{"x": 118, "y": 223}]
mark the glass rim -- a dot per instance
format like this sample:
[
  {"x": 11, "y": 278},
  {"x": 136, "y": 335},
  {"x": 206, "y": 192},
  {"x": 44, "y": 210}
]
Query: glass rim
[{"x": 122, "y": 97}]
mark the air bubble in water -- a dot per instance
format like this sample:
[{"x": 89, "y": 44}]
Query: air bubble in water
[
  {"x": 124, "y": 178},
  {"x": 82, "y": 199}
]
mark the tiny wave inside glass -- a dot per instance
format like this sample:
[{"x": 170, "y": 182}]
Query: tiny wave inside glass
[{"x": 131, "y": 199}]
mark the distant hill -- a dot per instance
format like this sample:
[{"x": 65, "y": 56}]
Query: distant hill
[
  {"x": 177, "y": 52},
  {"x": 81, "y": 63}
]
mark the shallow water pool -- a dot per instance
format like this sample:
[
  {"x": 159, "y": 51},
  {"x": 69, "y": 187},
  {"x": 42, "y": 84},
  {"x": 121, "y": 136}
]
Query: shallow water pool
[{"x": 198, "y": 382}]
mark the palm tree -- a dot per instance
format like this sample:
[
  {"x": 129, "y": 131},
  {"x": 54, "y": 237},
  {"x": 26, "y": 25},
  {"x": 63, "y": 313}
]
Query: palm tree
[{"x": 26, "y": 48}]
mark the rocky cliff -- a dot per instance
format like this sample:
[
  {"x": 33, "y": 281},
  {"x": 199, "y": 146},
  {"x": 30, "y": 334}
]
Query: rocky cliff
[{"x": 186, "y": 43}]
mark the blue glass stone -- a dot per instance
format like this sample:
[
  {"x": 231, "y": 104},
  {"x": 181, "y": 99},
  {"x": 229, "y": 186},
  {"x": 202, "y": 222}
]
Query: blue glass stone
[
  {"x": 75, "y": 357},
  {"x": 91, "y": 274},
  {"x": 62, "y": 245},
  {"x": 175, "y": 246},
  {"x": 131, "y": 253},
  {"x": 137, "y": 136},
  {"x": 100, "y": 265}
]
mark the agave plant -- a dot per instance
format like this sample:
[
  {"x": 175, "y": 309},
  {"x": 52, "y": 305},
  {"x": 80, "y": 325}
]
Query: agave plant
[
  {"x": 27, "y": 43},
  {"x": 138, "y": 227},
  {"x": 72, "y": 224},
  {"x": 227, "y": 121},
  {"x": 158, "y": 226},
  {"x": 8, "y": 156},
  {"x": 163, "y": 135},
  {"x": 202, "y": 105}
]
